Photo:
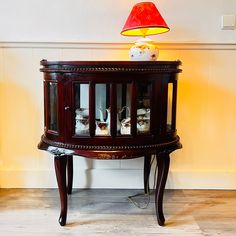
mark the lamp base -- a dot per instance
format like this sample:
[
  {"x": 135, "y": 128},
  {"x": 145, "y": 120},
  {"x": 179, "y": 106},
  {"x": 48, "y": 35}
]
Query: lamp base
[{"x": 144, "y": 49}]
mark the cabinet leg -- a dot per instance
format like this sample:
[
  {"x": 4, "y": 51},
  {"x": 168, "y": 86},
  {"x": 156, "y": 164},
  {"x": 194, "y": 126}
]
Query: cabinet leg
[
  {"x": 146, "y": 172},
  {"x": 60, "y": 169},
  {"x": 163, "y": 162},
  {"x": 69, "y": 174}
]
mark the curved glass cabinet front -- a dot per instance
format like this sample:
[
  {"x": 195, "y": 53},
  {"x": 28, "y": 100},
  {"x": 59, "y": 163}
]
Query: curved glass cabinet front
[
  {"x": 123, "y": 102},
  {"x": 111, "y": 108}
]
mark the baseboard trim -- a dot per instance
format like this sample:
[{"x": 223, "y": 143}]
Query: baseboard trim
[{"x": 121, "y": 179}]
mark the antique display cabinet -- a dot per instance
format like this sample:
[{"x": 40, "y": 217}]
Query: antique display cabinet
[{"x": 110, "y": 110}]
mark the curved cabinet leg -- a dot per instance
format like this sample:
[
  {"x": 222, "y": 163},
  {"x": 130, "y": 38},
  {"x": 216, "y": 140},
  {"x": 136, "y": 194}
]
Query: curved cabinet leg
[
  {"x": 163, "y": 162},
  {"x": 60, "y": 169},
  {"x": 146, "y": 172},
  {"x": 69, "y": 174}
]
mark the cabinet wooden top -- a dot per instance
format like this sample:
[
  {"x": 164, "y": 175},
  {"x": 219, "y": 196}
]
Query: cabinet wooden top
[{"x": 110, "y": 66}]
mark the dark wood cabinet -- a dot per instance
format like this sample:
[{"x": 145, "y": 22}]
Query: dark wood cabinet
[{"x": 110, "y": 110}]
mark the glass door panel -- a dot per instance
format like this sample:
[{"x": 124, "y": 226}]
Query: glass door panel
[
  {"x": 123, "y": 109},
  {"x": 169, "y": 106},
  {"x": 144, "y": 107},
  {"x": 81, "y": 101},
  {"x": 52, "y": 106},
  {"x": 102, "y": 109}
]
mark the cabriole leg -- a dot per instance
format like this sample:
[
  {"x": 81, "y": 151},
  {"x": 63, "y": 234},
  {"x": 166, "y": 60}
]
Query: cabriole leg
[
  {"x": 69, "y": 174},
  {"x": 60, "y": 169},
  {"x": 146, "y": 172},
  {"x": 163, "y": 162}
]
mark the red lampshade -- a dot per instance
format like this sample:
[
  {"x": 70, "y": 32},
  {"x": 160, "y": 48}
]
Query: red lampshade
[{"x": 143, "y": 20}]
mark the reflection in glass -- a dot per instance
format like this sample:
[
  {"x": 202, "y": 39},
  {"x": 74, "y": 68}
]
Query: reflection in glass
[
  {"x": 53, "y": 106},
  {"x": 123, "y": 109},
  {"x": 102, "y": 109},
  {"x": 81, "y": 95},
  {"x": 143, "y": 112}
]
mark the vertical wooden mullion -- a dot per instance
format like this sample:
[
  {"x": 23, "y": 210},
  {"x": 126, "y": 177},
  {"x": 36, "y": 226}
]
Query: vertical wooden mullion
[
  {"x": 113, "y": 111},
  {"x": 124, "y": 100},
  {"x": 107, "y": 96},
  {"x": 153, "y": 108},
  {"x": 64, "y": 100},
  {"x": 92, "y": 109},
  {"x": 59, "y": 107},
  {"x": 70, "y": 104},
  {"x": 79, "y": 94},
  {"x": 134, "y": 108}
]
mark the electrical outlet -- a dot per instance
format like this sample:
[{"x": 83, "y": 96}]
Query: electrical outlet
[{"x": 228, "y": 22}]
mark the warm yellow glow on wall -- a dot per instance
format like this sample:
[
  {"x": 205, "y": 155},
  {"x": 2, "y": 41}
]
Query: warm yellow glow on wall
[{"x": 205, "y": 116}]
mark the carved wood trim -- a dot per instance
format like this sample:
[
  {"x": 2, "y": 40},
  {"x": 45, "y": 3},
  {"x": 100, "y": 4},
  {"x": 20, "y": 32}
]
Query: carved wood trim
[
  {"x": 109, "y": 69},
  {"x": 63, "y": 67},
  {"x": 108, "y": 147}
]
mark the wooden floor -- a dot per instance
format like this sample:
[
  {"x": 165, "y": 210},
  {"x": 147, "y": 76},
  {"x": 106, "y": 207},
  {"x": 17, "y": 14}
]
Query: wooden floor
[{"x": 34, "y": 212}]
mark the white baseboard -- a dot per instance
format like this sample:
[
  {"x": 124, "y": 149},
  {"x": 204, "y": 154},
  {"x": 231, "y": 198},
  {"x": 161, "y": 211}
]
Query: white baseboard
[{"x": 118, "y": 178}]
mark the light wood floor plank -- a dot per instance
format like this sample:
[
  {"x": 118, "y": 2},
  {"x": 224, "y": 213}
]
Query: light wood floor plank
[{"x": 108, "y": 212}]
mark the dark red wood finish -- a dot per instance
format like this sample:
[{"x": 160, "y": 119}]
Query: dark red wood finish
[{"x": 63, "y": 143}]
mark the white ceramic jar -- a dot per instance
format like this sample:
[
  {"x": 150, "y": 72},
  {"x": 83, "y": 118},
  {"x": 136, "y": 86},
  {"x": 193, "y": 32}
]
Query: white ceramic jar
[{"x": 144, "y": 49}]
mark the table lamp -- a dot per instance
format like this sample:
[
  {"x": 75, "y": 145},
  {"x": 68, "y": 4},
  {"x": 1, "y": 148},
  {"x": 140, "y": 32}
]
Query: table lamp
[{"x": 144, "y": 20}]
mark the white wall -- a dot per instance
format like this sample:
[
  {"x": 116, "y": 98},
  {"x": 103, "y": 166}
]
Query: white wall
[
  {"x": 102, "y": 21},
  {"x": 89, "y": 30}
]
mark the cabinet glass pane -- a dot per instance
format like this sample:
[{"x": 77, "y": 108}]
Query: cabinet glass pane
[
  {"x": 81, "y": 96},
  {"x": 123, "y": 109},
  {"x": 144, "y": 107},
  {"x": 169, "y": 106},
  {"x": 102, "y": 109},
  {"x": 52, "y": 106}
]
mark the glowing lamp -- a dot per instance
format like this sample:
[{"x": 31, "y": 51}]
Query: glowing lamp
[{"x": 144, "y": 20}]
